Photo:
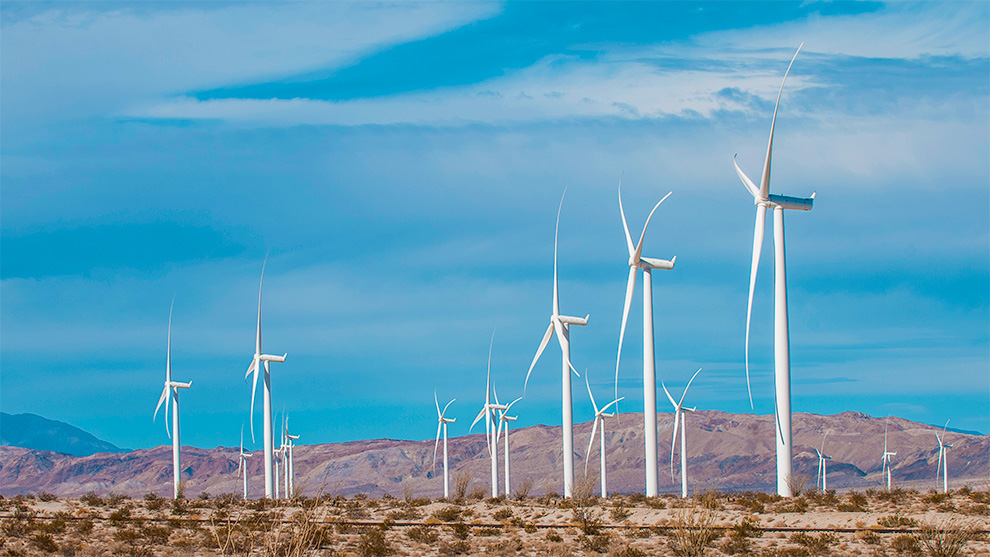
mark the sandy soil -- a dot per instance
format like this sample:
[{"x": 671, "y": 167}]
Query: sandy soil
[{"x": 852, "y": 523}]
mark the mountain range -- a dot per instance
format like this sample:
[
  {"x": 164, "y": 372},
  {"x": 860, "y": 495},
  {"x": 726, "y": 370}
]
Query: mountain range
[
  {"x": 35, "y": 432},
  {"x": 725, "y": 452}
]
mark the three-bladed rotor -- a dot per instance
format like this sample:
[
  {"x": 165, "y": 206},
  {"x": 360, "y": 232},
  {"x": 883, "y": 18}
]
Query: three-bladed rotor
[
  {"x": 170, "y": 386},
  {"x": 600, "y": 416},
  {"x": 678, "y": 410},
  {"x": 441, "y": 420},
  {"x": 260, "y": 357}
]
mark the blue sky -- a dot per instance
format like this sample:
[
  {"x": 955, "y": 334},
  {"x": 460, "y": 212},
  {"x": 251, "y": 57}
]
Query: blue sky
[{"x": 403, "y": 163}]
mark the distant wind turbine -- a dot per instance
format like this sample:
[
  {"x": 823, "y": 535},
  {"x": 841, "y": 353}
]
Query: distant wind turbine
[
  {"x": 679, "y": 411},
  {"x": 171, "y": 391},
  {"x": 886, "y": 456},
  {"x": 782, "y": 359},
  {"x": 943, "y": 462},
  {"x": 560, "y": 325},
  {"x": 259, "y": 359},
  {"x": 647, "y": 264},
  {"x": 488, "y": 412},
  {"x": 503, "y": 422},
  {"x": 290, "y": 466},
  {"x": 822, "y": 467},
  {"x": 242, "y": 463},
  {"x": 600, "y": 416},
  {"x": 442, "y": 421}
]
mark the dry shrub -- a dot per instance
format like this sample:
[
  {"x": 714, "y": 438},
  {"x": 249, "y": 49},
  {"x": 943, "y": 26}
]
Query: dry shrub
[
  {"x": 797, "y": 483},
  {"x": 816, "y": 545},
  {"x": 906, "y": 545},
  {"x": 583, "y": 491},
  {"x": 709, "y": 499},
  {"x": 450, "y": 513},
  {"x": 523, "y": 489},
  {"x": 374, "y": 543},
  {"x": 692, "y": 531},
  {"x": 896, "y": 521},
  {"x": 462, "y": 481},
  {"x": 424, "y": 534},
  {"x": 945, "y": 538}
]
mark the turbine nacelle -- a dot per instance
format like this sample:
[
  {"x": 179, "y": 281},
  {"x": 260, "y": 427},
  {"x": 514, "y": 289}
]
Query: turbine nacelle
[
  {"x": 651, "y": 263},
  {"x": 569, "y": 320},
  {"x": 788, "y": 202}
]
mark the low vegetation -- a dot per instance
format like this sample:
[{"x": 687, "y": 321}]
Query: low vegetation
[{"x": 711, "y": 523}]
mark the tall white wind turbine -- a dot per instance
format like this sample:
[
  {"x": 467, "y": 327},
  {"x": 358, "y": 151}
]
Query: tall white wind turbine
[
  {"x": 679, "y": 411},
  {"x": 647, "y": 264},
  {"x": 782, "y": 359},
  {"x": 886, "y": 456},
  {"x": 265, "y": 359},
  {"x": 560, "y": 325},
  {"x": 171, "y": 391},
  {"x": 242, "y": 463},
  {"x": 943, "y": 462},
  {"x": 600, "y": 416},
  {"x": 503, "y": 422},
  {"x": 822, "y": 467},
  {"x": 442, "y": 421},
  {"x": 488, "y": 411}
]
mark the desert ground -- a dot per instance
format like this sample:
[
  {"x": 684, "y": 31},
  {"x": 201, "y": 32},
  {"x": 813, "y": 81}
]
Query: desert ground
[{"x": 875, "y": 522}]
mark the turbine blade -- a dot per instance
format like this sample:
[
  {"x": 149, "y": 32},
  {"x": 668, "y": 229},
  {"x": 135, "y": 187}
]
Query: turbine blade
[
  {"x": 254, "y": 388},
  {"x": 488, "y": 380},
  {"x": 435, "y": 401},
  {"x": 630, "y": 289},
  {"x": 670, "y": 398},
  {"x": 437, "y": 444},
  {"x": 593, "y": 405},
  {"x": 257, "y": 344},
  {"x": 511, "y": 403},
  {"x": 625, "y": 226},
  {"x": 160, "y": 401},
  {"x": 476, "y": 420},
  {"x": 761, "y": 213},
  {"x": 539, "y": 351},
  {"x": 613, "y": 402},
  {"x": 688, "y": 386},
  {"x": 242, "y": 439},
  {"x": 639, "y": 246},
  {"x": 556, "y": 229},
  {"x": 591, "y": 441},
  {"x": 776, "y": 415},
  {"x": 745, "y": 179},
  {"x": 673, "y": 442},
  {"x": 444, "y": 413},
  {"x": 168, "y": 351},
  {"x": 765, "y": 181},
  {"x": 944, "y": 428}
]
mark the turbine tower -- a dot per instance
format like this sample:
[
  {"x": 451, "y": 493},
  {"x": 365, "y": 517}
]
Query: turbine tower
[
  {"x": 488, "y": 412},
  {"x": 600, "y": 416},
  {"x": 647, "y": 264},
  {"x": 679, "y": 411},
  {"x": 289, "y": 462},
  {"x": 503, "y": 421},
  {"x": 886, "y": 456},
  {"x": 782, "y": 359},
  {"x": 259, "y": 359},
  {"x": 560, "y": 325},
  {"x": 442, "y": 421},
  {"x": 822, "y": 468},
  {"x": 242, "y": 463},
  {"x": 943, "y": 462},
  {"x": 171, "y": 391}
]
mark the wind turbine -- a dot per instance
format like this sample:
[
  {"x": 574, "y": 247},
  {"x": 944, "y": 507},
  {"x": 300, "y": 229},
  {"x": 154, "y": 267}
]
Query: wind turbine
[
  {"x": 288, "y": 461},
  {"x": 600, "y": 416},
  {"x": 822, "y": 468},
  {"x": 503, "y": 420},
  {"x": 488, "y": 412},
  {"x": 647, "y": 264},
  {"x": 560, "y": 324},
  {"x": 679, "y": 411},
  {"x": 886, "y": 456},
  {"x": 278, "y": 454},
  {"x": 259, "y": 358},
  {"x": 442, "y": 421},
  {"x": 782, "y": 359},
  {"x": 171, "y": 391},
  {"x": 242, "y": 462},
  {"x": 943, "y": 459}
]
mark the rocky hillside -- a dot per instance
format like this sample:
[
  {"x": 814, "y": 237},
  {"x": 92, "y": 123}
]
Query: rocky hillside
[
  {"x": 31, "y": 431},
  {"x": 726, "y": 452}
]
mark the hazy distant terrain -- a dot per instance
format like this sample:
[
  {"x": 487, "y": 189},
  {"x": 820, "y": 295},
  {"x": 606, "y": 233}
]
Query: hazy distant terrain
[
  {"x": 34, "y": 432},
  {"x": 726, "y": 452}
]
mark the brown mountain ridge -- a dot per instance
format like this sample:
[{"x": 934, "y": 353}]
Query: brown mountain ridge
[{"x": 725, "y": 452}]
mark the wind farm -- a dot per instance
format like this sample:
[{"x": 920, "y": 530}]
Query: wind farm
[{"x": 397, "y": 167}]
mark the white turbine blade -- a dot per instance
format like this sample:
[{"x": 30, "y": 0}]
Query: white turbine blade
[
  {"x": 254, "y": 388},
  {"x": 488, "y": 380},
  {"x": 495, "y": 394},
  {"x": 437, "y": 403},
  {"x": 776, "y": 415},
  {"x": 666, "y": 392},
  {"x": 242, "y": 439},
  {"x": 168, "y": 350},
  {"x": 625, "y": 226},
  {"x": 611, "y": 403},
  {"x": 444, "y": 413},
  {"x": 257, "y": 345},
  {"x": 822, "y": 450},
  {"x": 761, "y": 213},
  {"x": 885, "y": 436},
  {"x": 639, "y": 246},
  {"x": 593, "y": 405},
  {"x": 160, "y": 401},
  {"x": 558, "y": 328},
  {"x": 510, "y": 405},
  {"x": 745, "y": 179},
  {"x": 765, "y": 181},
  {"x": 481, "y": 414},
  {"x": 437, "y": 444},
  {"x": 673, "y": 442},
  {"x": 684, "y": 394},
  {"x": 556, "y": 228},
  {"x": 543, "y": 345},
  {"x": 630, "y": 289},
  {"x": 945, "y": 427},
  {"x": 591, "y": 441}
]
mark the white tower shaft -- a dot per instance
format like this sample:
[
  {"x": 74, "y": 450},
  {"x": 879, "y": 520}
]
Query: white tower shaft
[
  {"x": 684, "y": 480},
  {"x": 506, "y": 486},
  {"x": 601, "y": 457},
  {"x": 649, "y": 389},
  {"x": 493, "y": 443},
  {"x": 567, "y": 417},
  {"x": 176, "y": 466},
  {"x": 446, "y": 477},
  {"x": 270, "y": 479},
  {"x": 782, "y": 359}
]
